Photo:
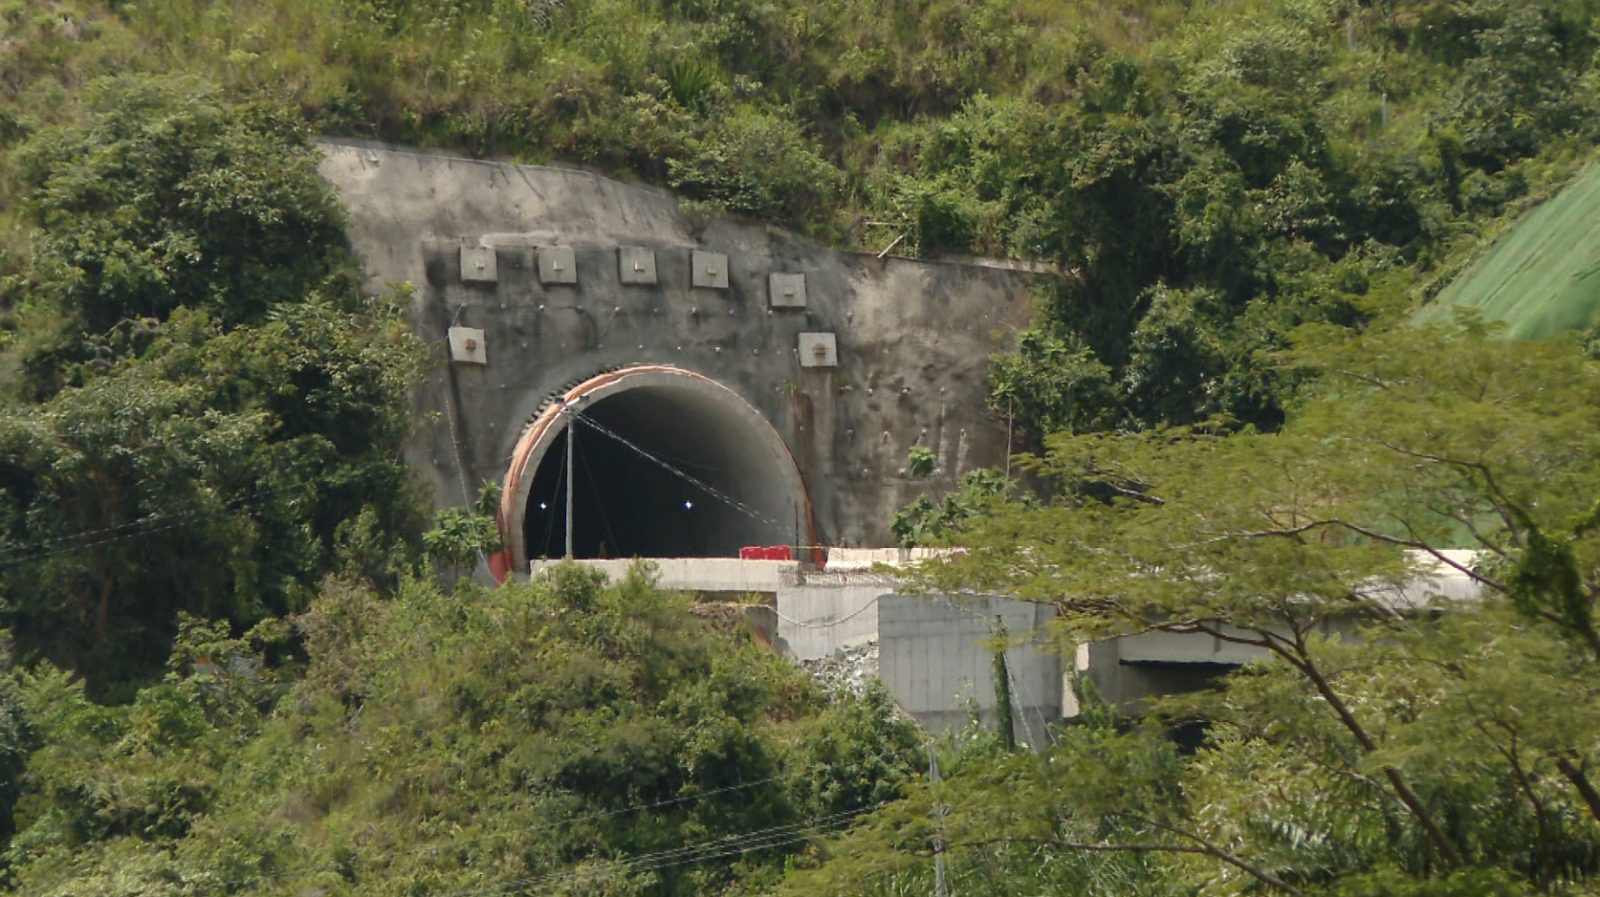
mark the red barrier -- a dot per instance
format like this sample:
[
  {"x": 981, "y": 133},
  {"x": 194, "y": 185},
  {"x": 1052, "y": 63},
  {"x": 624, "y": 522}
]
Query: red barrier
[{"x": 766, "y": 553}]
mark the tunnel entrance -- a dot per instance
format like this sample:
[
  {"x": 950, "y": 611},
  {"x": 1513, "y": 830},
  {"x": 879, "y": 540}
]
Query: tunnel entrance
[{"x": 665, "y": 463}]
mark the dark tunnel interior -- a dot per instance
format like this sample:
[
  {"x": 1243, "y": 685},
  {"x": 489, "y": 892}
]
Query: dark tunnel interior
[{"x": 660, "y": 473}]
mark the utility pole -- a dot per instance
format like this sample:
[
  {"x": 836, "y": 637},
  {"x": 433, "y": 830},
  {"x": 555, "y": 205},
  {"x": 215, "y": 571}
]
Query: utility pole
[
  {"x": 939, "y": 889},
  {"x": 1004, "y": 719},
  {"x": 572, "y": 432}
]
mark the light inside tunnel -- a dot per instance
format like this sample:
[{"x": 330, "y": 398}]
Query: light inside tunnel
[{"x": 663, "y": 470}]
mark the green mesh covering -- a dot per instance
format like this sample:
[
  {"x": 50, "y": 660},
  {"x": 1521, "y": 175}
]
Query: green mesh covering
[{"x": 1543, "y": 276}]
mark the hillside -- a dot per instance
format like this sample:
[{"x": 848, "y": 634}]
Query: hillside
[
  {"x": 235, "y": 658},
  {"x": 1213, "y": 173}
]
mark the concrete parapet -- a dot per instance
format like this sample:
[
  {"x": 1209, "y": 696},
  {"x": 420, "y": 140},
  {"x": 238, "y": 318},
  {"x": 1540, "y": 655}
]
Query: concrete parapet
[
  {"x": 851, "y": 560},
  {"x": 713, "y": 575}
]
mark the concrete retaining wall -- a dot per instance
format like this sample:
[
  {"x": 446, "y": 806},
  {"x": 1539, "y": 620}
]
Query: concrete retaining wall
[
  {"x": 936, "y": 656},
  {"x": 821, "y": 613}
]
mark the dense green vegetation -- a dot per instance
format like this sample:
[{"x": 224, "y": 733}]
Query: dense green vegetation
[
  {"x": 559, "y": 736},
  {"x": 224, "y": 667},
  {"x": 1450, "y": 748},
  {"x": 198, "y": 411}
]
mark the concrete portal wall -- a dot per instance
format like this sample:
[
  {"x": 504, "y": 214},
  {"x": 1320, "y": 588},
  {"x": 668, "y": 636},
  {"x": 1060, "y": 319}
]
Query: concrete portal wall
[
  {"x": 911, "y": 338},
  {"x": 934, "y": 654}
]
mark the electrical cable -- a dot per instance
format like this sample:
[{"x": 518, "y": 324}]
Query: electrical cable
[
  {"x": 739, "y": 839},
  {"x": 740, "y": 506},
  {"x": 130, "y": 530},
  {"x": 744, "y": 842},
  {"x": 550, "y": 519},
  {"x": 685, "y": 462},
  {"x": 1027, "y": 695},
  {"x": 568, "y": 821},
  {"x": 695, "y": 482},
  {"x": 1016, "y": 683},
  {"x": 765, "y": 842},
  {"x": 600, "y": 506},
  {"x": 831, "y": 623},
  {"x": 692, "y": 480}
]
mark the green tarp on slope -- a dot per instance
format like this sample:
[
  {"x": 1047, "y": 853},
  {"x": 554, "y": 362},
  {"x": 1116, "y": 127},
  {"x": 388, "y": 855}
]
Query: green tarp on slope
[{"x": 1543, "y": 276}]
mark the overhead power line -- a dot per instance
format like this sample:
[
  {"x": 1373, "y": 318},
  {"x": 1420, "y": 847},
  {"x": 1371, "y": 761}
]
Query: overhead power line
[
  {"x": 605, "y": 522},
  {"x": 717, "y": 848},
  {"x": 133, "y": 529},
  {"x": 698, "y": 483},
  {"x": 568, "y": 821}
]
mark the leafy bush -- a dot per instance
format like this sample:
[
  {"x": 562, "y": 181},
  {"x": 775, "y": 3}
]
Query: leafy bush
[
  {"x": 201, "y": 401},
  {"x": 561, "y": 731}
]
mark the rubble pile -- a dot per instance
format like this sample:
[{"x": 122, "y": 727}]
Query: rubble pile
[{"x": 847, "y": 670}]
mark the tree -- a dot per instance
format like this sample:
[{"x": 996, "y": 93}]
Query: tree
[
  {"x": 561, "y": 735},
  {"x": 461, "y": 536},
  {"x": 1052, "y": 383},
  {"x": 159, "y": 194},
  {"x": 1338, "y": 760},
  {"x": 16, "y": 741},
  {"x": 205, "y": 414},
  {"x": 1083, "y": 817},
  {"x": 925, "y": 521}
]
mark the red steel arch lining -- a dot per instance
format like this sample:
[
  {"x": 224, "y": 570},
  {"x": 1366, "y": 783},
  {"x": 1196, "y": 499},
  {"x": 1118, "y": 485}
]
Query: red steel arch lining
[{"x": 539, "y": 435}]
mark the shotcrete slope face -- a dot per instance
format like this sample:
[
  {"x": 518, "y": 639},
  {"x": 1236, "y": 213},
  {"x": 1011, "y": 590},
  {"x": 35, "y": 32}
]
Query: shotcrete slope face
[{"x": 666, "y": 464}]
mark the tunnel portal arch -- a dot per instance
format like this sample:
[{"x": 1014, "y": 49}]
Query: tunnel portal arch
[{"x": 669, "y": 463}]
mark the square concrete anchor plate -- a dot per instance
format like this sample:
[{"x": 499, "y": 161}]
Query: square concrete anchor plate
[
  {"x": 709, "y": 269},
  {"x": 786, "y": 290},
  {"x": 818, "y": 350},
  {"x": 636, "y": 265},
  {"x": 557, "y": 265},
  {"x": 478, "y": 264},
  {"x": 467, "y": 346}
]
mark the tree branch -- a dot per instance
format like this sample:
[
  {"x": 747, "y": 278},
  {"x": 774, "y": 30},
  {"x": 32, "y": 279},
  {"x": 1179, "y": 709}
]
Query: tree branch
[
  {"x": 1372, "y": 534},
  {"x": 1125, "y": 491},
  {"x": 1541, "y": 814},
  {"x": 1300, "y": 659},
  {"x": 1580, "y": 781},
  {"x": 1201, "y": 847},
  {"x": 1212, "y": 850},
  {"x": 1466, "y": 521},
  {"x": 1509, "y": 511},
  {"x": 1203, "y": 627},
  {"x": 1364, "y": 378}
]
